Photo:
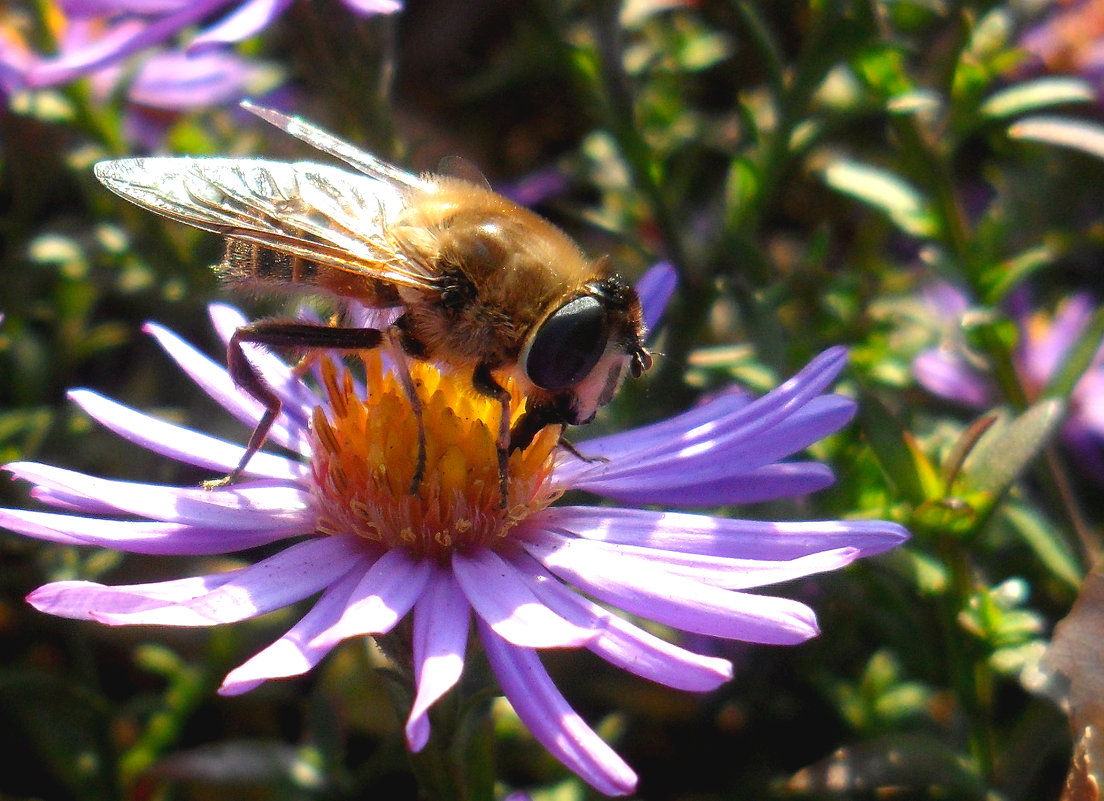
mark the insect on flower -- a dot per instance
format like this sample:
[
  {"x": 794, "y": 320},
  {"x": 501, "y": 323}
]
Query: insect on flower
[{"x": 482, "y": 283}]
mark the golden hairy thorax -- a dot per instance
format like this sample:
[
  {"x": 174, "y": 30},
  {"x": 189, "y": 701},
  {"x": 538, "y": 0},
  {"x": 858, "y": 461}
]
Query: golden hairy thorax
[{"x": 501, "y": 268}]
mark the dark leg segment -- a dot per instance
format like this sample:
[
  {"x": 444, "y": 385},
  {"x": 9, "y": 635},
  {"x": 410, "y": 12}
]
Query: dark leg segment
[
  {"x": 402, "y": 346},
  {"x": 485, "y": 384},
  {"x": 281, "y": 334}
]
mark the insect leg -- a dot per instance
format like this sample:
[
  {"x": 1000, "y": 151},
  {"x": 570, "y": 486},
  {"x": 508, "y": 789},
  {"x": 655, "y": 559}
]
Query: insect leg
[
  {"x": 569, "y": 446},
  {"x": 485, "y": 383},
  {"x": 404, "y": 344},
  {"x": 280, "y": 334}
]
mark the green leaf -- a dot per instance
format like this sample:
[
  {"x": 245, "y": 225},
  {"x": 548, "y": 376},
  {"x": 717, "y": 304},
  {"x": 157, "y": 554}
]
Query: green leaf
[
  {"x": 1002, "y": 278},
  {"x": 1045, "y": 540},
  {"x": 1009, "y": 447},
  {"x": 895, "y": 452},
  {"x": 1088, "y": 137},
  {"x": 1037, "y": 94},
  {"x": 887, "y": 192}
]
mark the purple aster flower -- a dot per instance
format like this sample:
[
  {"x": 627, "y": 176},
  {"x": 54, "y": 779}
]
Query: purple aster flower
[
  {"x": 952, "y": 372},
  {"x": 1069, "y": 40},
  {"x": 162, "y": 84},
  {"x": 526, "y": 572},
  {"x": 130, "y": 26},
  {"x": 16, "y": 56}
]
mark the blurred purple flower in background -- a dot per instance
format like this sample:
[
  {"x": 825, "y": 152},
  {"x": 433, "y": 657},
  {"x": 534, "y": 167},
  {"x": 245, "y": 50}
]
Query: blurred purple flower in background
[
  {"x": 952, "y": 372},
  {"x": 1070, "y": 40},
  {"x": 125, "y": 27}
]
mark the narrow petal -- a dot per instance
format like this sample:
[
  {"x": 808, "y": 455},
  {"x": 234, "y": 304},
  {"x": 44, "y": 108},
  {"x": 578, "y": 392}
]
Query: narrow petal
[
  {"x": 724, "y": 413},
  {"x": 175, "y": 81},
  {"x": 655, "y": 288},
  {"x": 772, "y": 481},
  {"x": 442, "y": 617},
  {"x": 948, "y": 375},
  {"x": 621, "y": 643},
  {"x": 704, "y": 534},
  {"x": 1044, "y": 347},
  {"x": 243, "y": 506},
  {"x": 216, "y": 382},
  {"x": 294, "y": 654},
  {"x": 75, "y": 9},
  {"x": 369, "y": 7},
  {"x": 382, "y": 598},
  {"x": 717, "y": 571},
  {"x": 121, "y": 41},
  {"x": 273, "y": 583},
  {"x": 140, "y": 536},
  {"x": 500, "y": 597},
  {"x": 183, "y": 444},
  {"x": 685, "y": 604},
  {"x": 84, "y": 600},
  {"x": 685, "y": 461},
  {"x": 248, "y": 20},
  {"x": 555, "y": 725}
]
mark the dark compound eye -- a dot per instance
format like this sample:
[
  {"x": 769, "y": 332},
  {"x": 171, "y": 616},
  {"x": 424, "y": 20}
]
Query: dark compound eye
[{"x": 568, "y": 345}]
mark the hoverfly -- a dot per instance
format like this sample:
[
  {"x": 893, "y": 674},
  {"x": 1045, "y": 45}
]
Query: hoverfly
[{"x": 481, "y": 283}]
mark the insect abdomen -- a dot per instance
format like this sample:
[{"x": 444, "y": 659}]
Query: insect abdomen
[
  {"x": 263, "y": 268},
  {"x": 248, "y": 263}
]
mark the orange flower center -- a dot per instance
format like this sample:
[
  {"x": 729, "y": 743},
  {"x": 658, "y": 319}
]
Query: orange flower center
[{"x": 365, "y": 453}]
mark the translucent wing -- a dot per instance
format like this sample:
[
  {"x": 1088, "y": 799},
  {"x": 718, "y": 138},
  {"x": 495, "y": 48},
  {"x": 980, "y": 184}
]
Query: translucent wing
[
  {"x": 328, "y": 143},
  {"x": 313, "y": 211}
]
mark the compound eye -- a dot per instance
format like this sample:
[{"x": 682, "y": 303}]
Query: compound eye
[{"x": 568, "y": 344}]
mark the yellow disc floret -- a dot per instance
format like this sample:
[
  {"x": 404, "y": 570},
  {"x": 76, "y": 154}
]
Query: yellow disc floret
[{"x": 365, "y": 453}]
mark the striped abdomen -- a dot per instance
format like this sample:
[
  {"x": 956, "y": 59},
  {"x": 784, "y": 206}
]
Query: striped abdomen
[{"x": 262, "y": 268}]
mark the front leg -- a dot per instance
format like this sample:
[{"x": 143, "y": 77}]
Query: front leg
[
  {"x": 486, "y": 384},
  {"x": 280, "y": 334}
]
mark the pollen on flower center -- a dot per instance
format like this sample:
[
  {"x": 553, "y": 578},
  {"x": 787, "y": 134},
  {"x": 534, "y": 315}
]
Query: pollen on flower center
[{"x": 365, "y": 451}]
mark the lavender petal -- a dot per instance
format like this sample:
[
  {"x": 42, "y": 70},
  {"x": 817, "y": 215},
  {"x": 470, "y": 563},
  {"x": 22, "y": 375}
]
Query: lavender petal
[
  {"x": 685, "y": 604},
  {"x": 501, "y": 598},
  {"x": 731, "y": 453},
  {"x": 724, "y": 413},
  {"x": 76, "y": 9},
  {"x": 239, "y": 507},
  {"x": 183, "y": 444},
  {"x": 382, "y": 598},
  {"x": 442, "y": 617},
  {"x": 249, "y": 19},
  {"x": 948, "y": 375},
  {"x": 715, "y": 571},
  {"x": 655, "y": 288},
  {"x": 175, "y": 81},
  {"x": 552, "y": 721},
  {"x": 718, "y": 536},
  {"x": 1042, "y": 350},
  {"x": 85, "y": 600},
  {"x": 131, "y": 536},
  {"x": 294, "y": 654},
  {"x": 282, "y": 579},
  {"x": 367, "y": 8},
  {"x": 621, "y": 643},
  {"x": 125, "y": 38},
  {"x": 765, "y": 484}
]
